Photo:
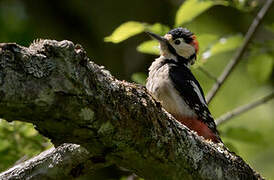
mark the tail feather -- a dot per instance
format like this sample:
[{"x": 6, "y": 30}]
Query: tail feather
[{"x": 201, "y": 128}]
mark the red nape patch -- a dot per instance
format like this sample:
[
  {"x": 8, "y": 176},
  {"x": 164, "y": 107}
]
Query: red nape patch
[
  {"x": 195, "y": 43},
  {"x": 201, "y": 128}
]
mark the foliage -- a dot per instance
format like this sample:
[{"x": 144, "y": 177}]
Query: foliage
[
  {"x": 210, "y": 44},
  {"x": 243, "y": 134},
  {"x": 149, "y": 47},
  {"x": 132, "y": 28},
  {"x": 125, "y": 31},
  {"x": 139, "y": 78},
  {"x": 223, "y": 45},
  {"x": 19, "y": 140},
  {"x": 186, "y": 12},
  {"x": 260, "y": 66}
]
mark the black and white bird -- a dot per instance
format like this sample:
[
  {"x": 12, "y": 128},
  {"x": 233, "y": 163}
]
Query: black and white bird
[{"x": 172, "y": 83}]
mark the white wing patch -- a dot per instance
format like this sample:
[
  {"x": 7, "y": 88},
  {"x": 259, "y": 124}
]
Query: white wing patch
[{"x": 197, "y": 90}]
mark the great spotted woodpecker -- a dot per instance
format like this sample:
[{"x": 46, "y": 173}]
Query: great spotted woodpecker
[{"x": 172, "y": 83}]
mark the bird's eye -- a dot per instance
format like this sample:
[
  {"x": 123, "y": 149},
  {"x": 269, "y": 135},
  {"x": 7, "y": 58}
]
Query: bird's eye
[{"x": 177, "y": 42}]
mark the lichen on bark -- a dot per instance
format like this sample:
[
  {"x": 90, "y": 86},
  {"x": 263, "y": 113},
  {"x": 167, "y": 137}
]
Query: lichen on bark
[{"x": 70, "y": 99}]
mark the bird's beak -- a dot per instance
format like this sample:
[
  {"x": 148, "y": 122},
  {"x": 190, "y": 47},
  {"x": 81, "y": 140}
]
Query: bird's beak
[{"x": 162, "y": 40}]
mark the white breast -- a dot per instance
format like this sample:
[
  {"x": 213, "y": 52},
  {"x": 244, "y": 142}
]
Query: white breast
[{"x": 160, "y": 86}]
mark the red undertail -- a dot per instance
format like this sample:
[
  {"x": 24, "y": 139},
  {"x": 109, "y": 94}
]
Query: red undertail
[{"x": 201, "y": 128}]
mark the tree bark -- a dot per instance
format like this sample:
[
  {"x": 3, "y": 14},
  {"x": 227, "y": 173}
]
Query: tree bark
[
  {"x": 65, "y": 162},
  {"x": 70, "y": 99}
]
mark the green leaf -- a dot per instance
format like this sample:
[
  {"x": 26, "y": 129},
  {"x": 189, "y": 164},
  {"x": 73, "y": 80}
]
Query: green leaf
[
  {"x": 270, "y": 27},
  {"x": 223, "y": 45},
  {"x": 152, "y": 46},
  {"x": 149, "y": 47},
  {"x": 244, "y": 135},
  {"x": 158, "y": 28},
  {"x": 192, "y": 8},
  {"x": 231, "y": 147},
  {"x": 139, "y": 78},
  {"x": 205, "y": 40},
  {"x": 261, "y": 66},
  {"x": 18, "y": 139},
  {"x": 125, "y": 31}
]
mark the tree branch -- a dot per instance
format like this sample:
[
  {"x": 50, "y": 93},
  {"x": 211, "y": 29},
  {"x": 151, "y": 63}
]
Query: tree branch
[
  {"x": 244, "y": 108},
  {"x": 72, "y": 100},
  {"x": 238, "y": 55},
  {"x": 67, "y": 161}
]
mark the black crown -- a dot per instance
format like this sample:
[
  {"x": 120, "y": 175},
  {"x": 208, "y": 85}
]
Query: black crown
[{"x": 181, "y": 33}]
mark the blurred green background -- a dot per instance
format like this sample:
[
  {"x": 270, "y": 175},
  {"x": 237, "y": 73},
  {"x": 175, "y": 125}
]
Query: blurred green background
[{"x": 219, "y": 26}]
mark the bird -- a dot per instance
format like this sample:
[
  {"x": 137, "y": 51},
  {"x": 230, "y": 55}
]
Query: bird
[{"x": 171, "y": 82}]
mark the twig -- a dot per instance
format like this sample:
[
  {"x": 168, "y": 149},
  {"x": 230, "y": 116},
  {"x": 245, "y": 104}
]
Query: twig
[
  {"x": 208, "y": 74},
  {"x": 235, "y": 60},
  {"x": 244, "y": 108}
]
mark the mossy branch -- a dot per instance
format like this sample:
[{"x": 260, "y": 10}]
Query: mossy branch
[{"x": 70, "y": 99}]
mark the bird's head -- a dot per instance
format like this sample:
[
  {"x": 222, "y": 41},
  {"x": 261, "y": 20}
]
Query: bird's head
[{"x": 179, "y": 43}]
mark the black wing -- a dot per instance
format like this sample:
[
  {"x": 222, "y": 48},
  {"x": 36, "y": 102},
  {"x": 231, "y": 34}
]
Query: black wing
[{"x": 189, "y": 88}]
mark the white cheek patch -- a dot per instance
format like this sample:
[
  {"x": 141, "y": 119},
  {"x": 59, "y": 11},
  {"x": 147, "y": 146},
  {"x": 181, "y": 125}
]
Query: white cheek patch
[{"x": 184, "y": 49}]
